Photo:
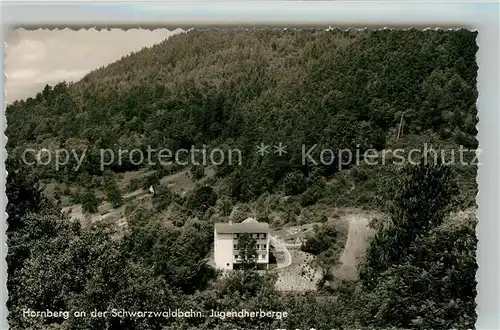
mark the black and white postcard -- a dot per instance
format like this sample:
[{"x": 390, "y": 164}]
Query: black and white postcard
[{"x": 241, "y": 178}]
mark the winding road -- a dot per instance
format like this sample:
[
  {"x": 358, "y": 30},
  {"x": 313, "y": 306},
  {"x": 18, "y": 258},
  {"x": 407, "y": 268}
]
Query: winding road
[
  {"x": 356, "y": 244},
  {"x": 280, "y": 246}
]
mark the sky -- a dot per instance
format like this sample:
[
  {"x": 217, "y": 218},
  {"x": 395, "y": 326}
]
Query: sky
[{"x": 39, "y": 57}]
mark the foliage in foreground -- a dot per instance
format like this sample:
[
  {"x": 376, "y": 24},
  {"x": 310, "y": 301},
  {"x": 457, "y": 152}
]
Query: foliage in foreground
[
  {"x": 58, "y": 265},
  {"x": 416, "y": 258}
]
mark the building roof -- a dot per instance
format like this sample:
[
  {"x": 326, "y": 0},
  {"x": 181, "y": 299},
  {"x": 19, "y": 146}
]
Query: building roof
[
  {"x": 250, "y": 220},
  {"x": 250, "y": 225}
]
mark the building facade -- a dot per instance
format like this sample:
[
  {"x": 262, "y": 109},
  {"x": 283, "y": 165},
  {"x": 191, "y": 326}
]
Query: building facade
[{"x": 226, "y": 253}]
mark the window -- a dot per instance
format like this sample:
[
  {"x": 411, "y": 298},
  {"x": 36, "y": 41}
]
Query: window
[
  {"x": 235, "y": 247},
  {"x": 263, "y": 235},
  {"x": 255, "y": 235},
  {"x": 235, "y": 236}
]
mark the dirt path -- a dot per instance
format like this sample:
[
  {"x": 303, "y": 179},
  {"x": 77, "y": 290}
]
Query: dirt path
[
  {"x": 135, "y": 193},
  {"x": 280, "y": 246},
  {"x": 355, "y": 247},
  {"x": 179, "y": 182}
]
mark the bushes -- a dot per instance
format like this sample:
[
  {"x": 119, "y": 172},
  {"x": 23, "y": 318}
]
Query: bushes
[
  {"x": 202, "y": 198},
  {"x": 420, "y": 270},
  {"x": 324, "y": 239},
  {"x": 134, "y": 184},
  {"x": 113, "y": 195},
  {"x": 197, "y": 172},
  {"x": 312, "y": 195},
  {"x": 162, "y": 198},
  {"x": 66, "y": 190},
  {"x": 145, "y": 181},
  {"x": 150, "y": 180},
  {"x": 294, "y": 183},
  {"x": 57, "y": 195},
  {"x": 89, "y": 201}
]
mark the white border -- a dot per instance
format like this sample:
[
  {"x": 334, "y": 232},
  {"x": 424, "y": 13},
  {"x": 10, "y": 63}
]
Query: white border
[{"x": 482, "y": 16}]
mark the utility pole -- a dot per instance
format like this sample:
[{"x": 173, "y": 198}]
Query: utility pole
[{"x": 400, "y": 130}]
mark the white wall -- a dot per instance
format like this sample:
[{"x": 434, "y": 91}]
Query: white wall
[{"x": 223, "y": 251}]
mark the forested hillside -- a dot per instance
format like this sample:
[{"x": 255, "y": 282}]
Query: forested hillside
[
  {"x": 241, "y": 88},
  {"x": 236, "y": 89}
]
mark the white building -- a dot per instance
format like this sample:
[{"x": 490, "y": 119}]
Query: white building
[{"x": 226, "y": 242}]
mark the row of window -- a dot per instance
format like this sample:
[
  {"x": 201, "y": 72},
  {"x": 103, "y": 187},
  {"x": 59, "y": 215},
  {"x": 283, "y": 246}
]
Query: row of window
[
  {"x": 255, "y": 236},
  {"x": 260, "y": 257},
  {"x": 257, "y": 246}
]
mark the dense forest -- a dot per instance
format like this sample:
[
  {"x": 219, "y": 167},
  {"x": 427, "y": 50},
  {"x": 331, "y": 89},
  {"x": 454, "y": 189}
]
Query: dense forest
[{"x": 237, "y": 88}]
